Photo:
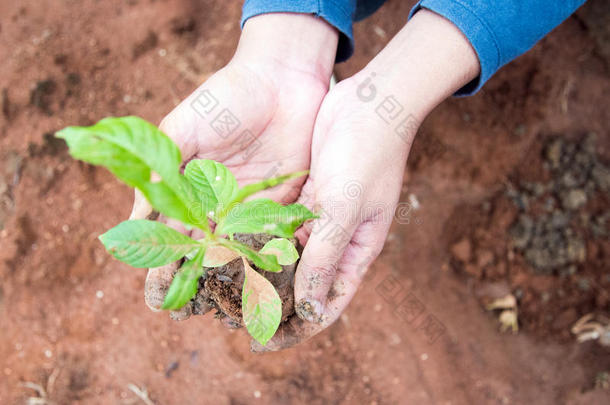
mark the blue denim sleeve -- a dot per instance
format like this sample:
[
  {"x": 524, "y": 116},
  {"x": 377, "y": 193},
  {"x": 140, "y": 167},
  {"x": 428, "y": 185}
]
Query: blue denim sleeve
[
  {"x": 338, "y": 13},
  {"x": 499, "y": 31}
]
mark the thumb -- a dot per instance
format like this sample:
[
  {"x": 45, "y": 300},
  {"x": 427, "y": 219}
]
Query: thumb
[{"x": 319, "y": 264}]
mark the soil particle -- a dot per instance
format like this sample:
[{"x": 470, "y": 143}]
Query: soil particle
[
  {"x": 201, "y": 304},
  {"x": 147, "y": 44},
  {"x": 6, "y": 105},
  {"x": 9, "y": 178},
  {"x": 574, "y": 199},
  {"x": 73, "y": 81},
  {"x": 51, "y": 146},
  {"x": 40, "y": 95}
]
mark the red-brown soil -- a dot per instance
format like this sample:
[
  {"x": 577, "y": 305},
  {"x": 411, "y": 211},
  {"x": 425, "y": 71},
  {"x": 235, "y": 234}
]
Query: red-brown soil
[{"x": 74, "y": 320}]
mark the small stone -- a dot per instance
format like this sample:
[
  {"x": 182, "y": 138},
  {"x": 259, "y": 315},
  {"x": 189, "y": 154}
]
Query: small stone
[
  {"x": 462, "y": 250},
  {"x": 99, "y": 294},
  {"x": 521, "y": 231},
  {"x": 567, "y": 271},
  {"x": 257, "y": 394},
  {"x": 584, "y": 284},
  {"x": 576, "y": 250},
  {"x": 553, "y": 153},
  {"x": 574, "y": 199},
  {"x": 601, "y": 176}
]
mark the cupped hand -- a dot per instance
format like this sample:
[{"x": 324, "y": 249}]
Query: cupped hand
[
  {"x": 354, "y": 185},
  {"x": 361, "y": 140},
  {"x": 255, "y": 116}
]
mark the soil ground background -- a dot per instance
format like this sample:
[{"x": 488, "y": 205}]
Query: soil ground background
[{"x": 74, "y": 321}]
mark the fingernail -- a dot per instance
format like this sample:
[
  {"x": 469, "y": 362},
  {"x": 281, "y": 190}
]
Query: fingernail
[{"x": 309, "y": 310}]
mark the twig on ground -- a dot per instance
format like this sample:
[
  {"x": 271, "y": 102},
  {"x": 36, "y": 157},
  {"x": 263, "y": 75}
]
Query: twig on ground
[{"x": 141, "y": 393}]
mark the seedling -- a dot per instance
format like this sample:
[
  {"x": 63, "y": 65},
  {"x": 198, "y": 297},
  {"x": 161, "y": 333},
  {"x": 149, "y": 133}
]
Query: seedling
[{"x": 207, "y": 192}]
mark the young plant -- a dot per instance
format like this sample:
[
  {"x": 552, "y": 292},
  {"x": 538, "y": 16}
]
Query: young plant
[{"x": 133, "y": 150}]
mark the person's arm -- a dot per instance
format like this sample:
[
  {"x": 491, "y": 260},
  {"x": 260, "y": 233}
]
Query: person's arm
[
  {"x": 338, "y": 13},
  {"x": 500, "y": 31}
]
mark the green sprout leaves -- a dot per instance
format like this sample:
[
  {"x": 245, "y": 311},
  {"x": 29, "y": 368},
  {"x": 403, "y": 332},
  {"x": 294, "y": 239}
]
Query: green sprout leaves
[
  {"x": 265, "y": 216},
  {"x": 142, "y": 243},
  {"x": 185, "y": 283},
  {"x": 214, "y": 185},
  {"x": 283, "y": 249},
  {"x": 261, "y": 306},
  {"x": 133, "y": 149},
  {"x": 143, "y": 157}
]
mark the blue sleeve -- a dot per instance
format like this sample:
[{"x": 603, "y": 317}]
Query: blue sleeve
[
  {"x": 499, "y": 31},
  {"x": 338, "y": 13}
]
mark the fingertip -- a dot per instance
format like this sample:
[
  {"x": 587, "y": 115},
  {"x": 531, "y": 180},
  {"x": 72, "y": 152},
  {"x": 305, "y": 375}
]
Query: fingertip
[
  {"x": 157, "y": 284},
  {"x": 141, "y": 208},
  {"x": 182, "y": 314}
]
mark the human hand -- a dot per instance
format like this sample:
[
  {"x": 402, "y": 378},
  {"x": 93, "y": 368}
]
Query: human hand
[
  {"x": 360, "y": 145},
  {"x": 255, "y": 116}
]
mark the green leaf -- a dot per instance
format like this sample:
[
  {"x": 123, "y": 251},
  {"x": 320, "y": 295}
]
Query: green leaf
[
  {"x": 262, "y": 261},
  {"x": 281, "y": 248},
  {"x": 250, "y": 189},
  {"x": 142, "y": 243},
  {"x": 185, "y": 283},
  {"x": 261, "y": 305},
  {"x": 133, "y": 149},
  {"x": 214, "y": 185},
  {"x": 265, "y": 216}
]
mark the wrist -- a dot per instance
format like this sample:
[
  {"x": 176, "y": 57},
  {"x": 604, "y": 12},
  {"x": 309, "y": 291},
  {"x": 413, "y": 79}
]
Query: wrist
[
  {"x": 426, "y": 62},
  {"x": 300, "y": 42}
]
